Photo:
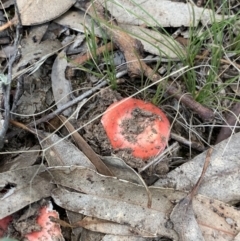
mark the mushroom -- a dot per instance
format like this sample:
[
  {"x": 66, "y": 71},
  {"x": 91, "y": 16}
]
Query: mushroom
[
  {"x": 49, "y": 230},
  {"x": 136, "y": 125},
  {"x": 4, "y": 223}
]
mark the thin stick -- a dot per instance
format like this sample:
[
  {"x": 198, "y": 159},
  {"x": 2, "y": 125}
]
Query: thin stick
[
  {"x": 6, "y": 87},
  {"x": 70, "y": 103}
]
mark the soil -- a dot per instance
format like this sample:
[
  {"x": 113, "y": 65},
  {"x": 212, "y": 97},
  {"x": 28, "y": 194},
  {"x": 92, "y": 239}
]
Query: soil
[{"x": 139, "y": 121}]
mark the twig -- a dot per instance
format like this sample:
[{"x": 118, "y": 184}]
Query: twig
[
  {"x": 6, "y": 87},
  {"x": 18, "y": 93},
  {"x": 70, "y": 103},
  {"x": 83, "y": 58},
  {"x": 205, "y": 167},
  {"x": 193, "y": 144},
  {"x": 86, "y": 149},
  {"x": 232, "y": 119}
]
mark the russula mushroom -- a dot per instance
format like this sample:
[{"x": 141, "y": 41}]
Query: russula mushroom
[
  {"x": 4, "y": 223},
  {"x": 49, "y": 230},
  {"x": 136, "y": 125}
]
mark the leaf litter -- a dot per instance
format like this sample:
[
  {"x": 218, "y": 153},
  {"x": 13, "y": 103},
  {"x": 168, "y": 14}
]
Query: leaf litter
[{"x": 102, "y": 193}]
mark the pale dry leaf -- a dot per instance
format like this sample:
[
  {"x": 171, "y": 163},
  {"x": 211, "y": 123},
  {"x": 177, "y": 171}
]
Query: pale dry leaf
[
  {"x": 6, "y": 3},
  {"x": 60, "y": 152},
  {"x": 61, "y": 87},
  {"x": 32, "y": 51},
  {"x": 164, "y": 13},
  {"x": 212, "y": 216},
  {"x": 25, "y": 159},
  {"x": 35, "y": 98},
  {"x": 81, "y": 22},
  {"x": 137, "y": 217},
  {"x": 27, "y": 187},
  {"x": 216, "y": 217},
  {"x": 237, "y": 237},
  {"x": 90, "y": 236},
  {"x": 184, "y": 221},
  {"x": 124, "y": 238},
  {"x": 94, "y": 183},
  {"x": 235, "y": 88},
  {"x": 121, "y": 170},
  {"x": 154, "y": 42},
  {"x": 36, "y": 12},
  {"x": 108, "y": 227},
  {"x": 221, "y": 180}
]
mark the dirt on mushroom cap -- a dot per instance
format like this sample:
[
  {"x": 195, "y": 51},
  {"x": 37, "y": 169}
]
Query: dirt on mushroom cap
[{"x": 137, "y": 125}]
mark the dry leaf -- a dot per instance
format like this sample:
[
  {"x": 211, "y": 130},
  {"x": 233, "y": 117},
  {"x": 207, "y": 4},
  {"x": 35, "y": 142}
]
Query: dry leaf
[
  {"x": 154, "y": 42},
  {"x": 104, "y": 226},
  {"x": 211, "y": 215},
  {"x": 35, "y": 12},
  {"x": 61, "y": 87},
  {"x": 184, "y": 221},
  {"x": 81, "y": 22},
  {"x": 121, "y": 170},
  {"x": 124, "y": 238},
  {"x": 26, "y": 159},
  {"x": 137, "y": 217},
  {"x": 60, "y": 152},
  {"x": 35, "y": 52},
  {"x": 93, "y": 183},
  {"x": 26, "y": 188},
  {"x": 164, "y": 13},
  {"x": 221, "y": 180}
]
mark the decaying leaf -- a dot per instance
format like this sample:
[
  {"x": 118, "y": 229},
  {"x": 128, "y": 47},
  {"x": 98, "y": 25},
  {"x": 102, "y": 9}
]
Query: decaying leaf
[
  {"x": 164, "y": 13},
  {"x": 212, "y": 216},
  {"x": 60, "y": 152},
  {"x": 35, "y": 53},
  {"x": 153, "y": 42},
  {"x": 61, "y": 87},
  {"x": 184, "y": 221},
  {"x": 35, "y": 12},
  {"x": 26, "y": 188},
  {"x": 121, "y": 170},
  {"x": 25, "y": 159},
  {"x": 104, "y": 226},
  {"x": 81, "y": 22},
  {"x": 135, "y": 216},
  {"x": 124, "y": 238},
  {"x": 223, "y": 172}
]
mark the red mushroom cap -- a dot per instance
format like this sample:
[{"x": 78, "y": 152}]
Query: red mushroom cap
[
  {"x": 136, "y": 125},
  {"x": 49, "y": 230},
  {"x": 4, "y": 223}
]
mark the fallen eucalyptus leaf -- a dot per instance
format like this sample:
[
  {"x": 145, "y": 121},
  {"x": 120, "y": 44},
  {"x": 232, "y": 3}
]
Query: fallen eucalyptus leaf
[
  {"x": 164, "y": 13},
  {"x": 104, "y": 226},
  {"x": 221, "y": 180},
  {"x": 145, "y": 219},
  {"x": 121, "y": 170},
  {"x": 25, "y": 159},
  {"x": 61, "y": 87},
  {"x": 211, "y": 215},
  {"x": 35, "y": 53},
  {"x": 27, "y": 187},
  {"x": 34, "y": 12},
  {"x": 60, "y": 152},
  {"x": 154, "y": 42},
  {"x": 184, "y": 221}
]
